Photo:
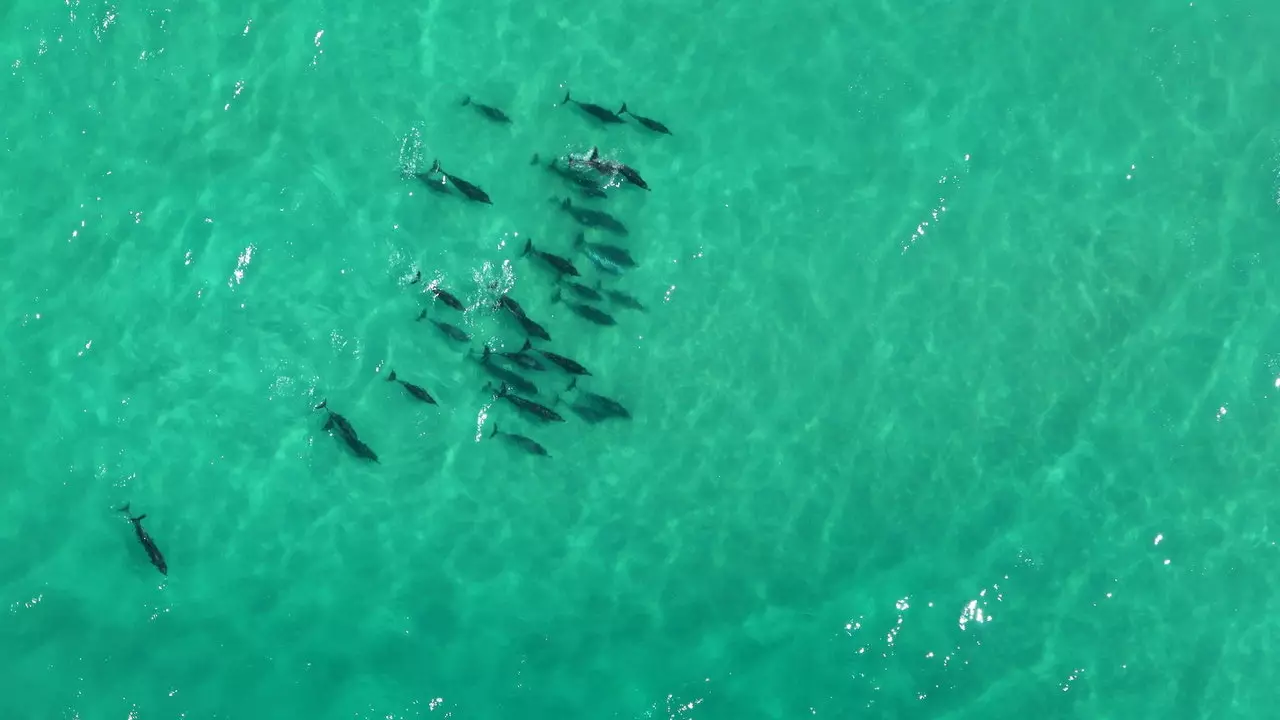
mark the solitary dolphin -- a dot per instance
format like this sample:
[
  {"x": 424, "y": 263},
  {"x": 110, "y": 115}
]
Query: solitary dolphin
[
  {"x": 148, "y": 544},
  {"x": 603, "y": 114},
  {"x": 417, "y": 392},
  {"x": 494, "y": 113},
  {"x": 347, "y": 433},
  {"x": 650, "y": 123}
]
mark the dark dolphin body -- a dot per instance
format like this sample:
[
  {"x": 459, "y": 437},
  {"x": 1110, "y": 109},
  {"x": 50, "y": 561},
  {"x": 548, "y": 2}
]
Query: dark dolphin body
[
  {"x": 470, "y": 190},
  {"x": 594, "y": 218},
  {"x": 570, "y": 366},
  {"x": 625, "y": 300},
  {"x": 347, "y": 433},
  {"x": 508, "y": 303},
  {"x": 613, "y": 166},
  {"x": 527, "y": 444},
  {"x": 603, "y": 114},
  {"x": 506, "y": 376},
  {"x": 561, "y": 265},
  {"x": 609, "y": 258},
  {"x": 153, "y": 552},
  {"x": 435, "y": 186},
  {"x": 585, "y": 185},
  {"x": 527, "y": 324},
  {"x": 417, "y": 392},
  {"x": 586, "y": 312},
  {"x": 650, "y": 123},
  {"x": 453, "y": 332},
  {"x": 523, "y": 358},
  {"x": 497, "y": 115},
  {"x": 583, "y": 291},
  {"x": 446, "y": 297},
  {"x": 609, "y": 407},
  {"x": 535, "y": 410}
]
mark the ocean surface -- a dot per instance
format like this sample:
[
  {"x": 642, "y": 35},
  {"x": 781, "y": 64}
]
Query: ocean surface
[{"x": 956, "y": 395}]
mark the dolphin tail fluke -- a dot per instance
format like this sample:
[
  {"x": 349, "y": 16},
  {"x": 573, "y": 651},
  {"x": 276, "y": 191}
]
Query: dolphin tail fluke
[
  {"x": 140, "y": 518},
  {"x": 484, "y": 356},
  {"x": 535, "y": 159},
  {"x": 566, "y": 203},
  {"x": 504, "y": 391},
  {"x": 422, "y": 315},
  {"x": 622, "y": 109},
  {"x": 572, "y": 384},
  {"x": 528, "y": 345},
  {"x": 392, "y": 376},
  {"x": 466, "y": 100},
  {"x": 417, "y": 277},
  {"x": 566, "y": 99},
  {"x": 528, "y": 247},
  {"x": 435, "y": 166},
  {"x": 123, "y": 508},
  {"x": 323, "y": 404},
  {"x": 558, "y": 297},
  {"x": 595, "y": 154},
  {"x": 495, "y": 430}
]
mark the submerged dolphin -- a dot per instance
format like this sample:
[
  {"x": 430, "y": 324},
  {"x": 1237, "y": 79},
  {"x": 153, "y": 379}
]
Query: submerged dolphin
[{"x": 148, "y": 544}]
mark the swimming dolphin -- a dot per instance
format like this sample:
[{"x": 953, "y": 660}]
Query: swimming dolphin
[
  {"x": 594, "y": 161},
  {"x": 445, "y": 297},
  {"x": 527, "y": 324},
  {"x": 585, "y": 185},
  {"x": 561, "y": 265},
  {"x": 606, "y": 405},
  {"x": 532, "y": 409},
  {"x": 153, "y": 552},
  {"x": 609, "y": 258},
  {"x": 494, "y": 113},
  {"x": 506, "y": 376},
  {"x": 583, "y": 291},
  {"x": 453, "y": 332},
  {"x": 603, "y": 114},
  {"x": 414, "y": 390},
  {"x": 623, "y": 299},
  {"x": 527, "y": 444},
  {"x": 650, "y": 123},
  {"x": 522, "y": 357},
  {"x": 470, "y": 190},
  {"x": 594, "y": 218},
  {"x": 347, "y": 433},
  {"x": 587, "y": 312},
  {"x": 568, "y": 365}
]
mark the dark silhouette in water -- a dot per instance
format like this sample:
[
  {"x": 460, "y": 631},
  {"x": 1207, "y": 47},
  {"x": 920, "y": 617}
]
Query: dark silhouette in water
[
  {"x": 603, "y": 114},
  {"x": 492, "y": 112},
  {"x": 535, "y": 410},
  {"x": 470, "y": 190},
  {"x": 414, "y": 390},
  {"x": 561, "y": 265},
  {"x": 522, "y": 357},
  {"x": 453, "y": 332},
  {"x": 570, "y": 366},
  {"x": 506, "y": 376},
  {"x": 347, "y": 433},
  {"x": 586, "y": 185},
  {"x": 583, "y": 291},
  {"x": 599, "y": 404},
  {"x": 445, "y": 297},
  {"x": 613, "y": 166},
  {"x": 623, "y": 299},
  {"x": 594, "y": 218},
  {"x": 650, "y": 123},
  {"x": 527, "y": 444},
  {"x": 608, "y": 258},
  {"x": 586, "y": 312},
  {"x": 148, "y": 544}
]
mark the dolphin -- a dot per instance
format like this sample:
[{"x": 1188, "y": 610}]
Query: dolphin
[
  {"x": 603, "y": 114},
  {"x": 613, "y": 166},
  {"x": 594, "y": 218},
  {"x": 586, "y": 312},
  {"x": 527, "y": 444},
  {"x": 506, "y": 376},
  {"x": 532, "y": 409},
  {"x": 497, "y": 115},
  {"x": 608, "y": 258},
  {"x": 583, "y": 291},
  {"x": 561, "y": 265},
  {"x": 568, "y": 365},
  {"x": 453, "y": 332},
  {"x": 445, "y": 297},
  {"x": 607, "y": 406},
  {"x": 623, "y": 299},
  {"x": 650, "y": 123},
  {"x": 414, "y": 390},
  {"x": 153, "y": 552},
  {"x": 470, "y": 190},
  {"x": 347, "y": 433},
  {"x": 586, "y": 186}
]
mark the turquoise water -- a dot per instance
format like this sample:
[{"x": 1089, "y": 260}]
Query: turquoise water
[{"x": 957, "y": 395}]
